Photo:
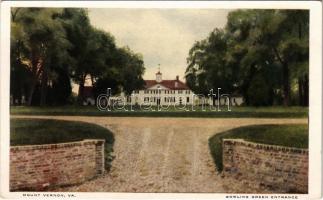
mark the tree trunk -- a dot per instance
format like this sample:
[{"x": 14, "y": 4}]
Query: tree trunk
[
  {"x": 35, "y": 72},
  {"x": 92, "y": 80},
  {"x": 31, "y": 91},
  {"x": 300, "y": 92},
  {"x": 305, "y": 86},
  {"x": 286, "y": 85},
  {"x": 81, "y": 90},
  {"x": 286, "y": 82},
  {"x": 306, "y": 91},
  {"x": 246, "y": 84},
  {"x": 43, "y": 91}
]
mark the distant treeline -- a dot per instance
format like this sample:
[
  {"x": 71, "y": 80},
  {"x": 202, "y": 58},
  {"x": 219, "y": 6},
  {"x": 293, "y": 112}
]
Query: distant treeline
[
  {"x": 51, "y": 47},
  {"x": 262, "y": 55}
]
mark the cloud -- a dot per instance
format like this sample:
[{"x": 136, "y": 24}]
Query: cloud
[{"x": 162, "y": 36}]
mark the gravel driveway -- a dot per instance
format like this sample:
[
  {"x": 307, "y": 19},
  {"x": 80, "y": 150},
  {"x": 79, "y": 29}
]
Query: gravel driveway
[{"x": 163, "y": 154}]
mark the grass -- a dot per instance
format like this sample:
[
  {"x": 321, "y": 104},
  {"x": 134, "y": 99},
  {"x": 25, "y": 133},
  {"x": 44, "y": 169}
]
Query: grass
[
  {"x": 48, "y": 131},
  {"x": 283, "y": 135},
  {"x": 236, "y": 112}
]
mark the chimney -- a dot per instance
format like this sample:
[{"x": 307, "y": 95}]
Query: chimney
[{"x": 177, "y": 78}]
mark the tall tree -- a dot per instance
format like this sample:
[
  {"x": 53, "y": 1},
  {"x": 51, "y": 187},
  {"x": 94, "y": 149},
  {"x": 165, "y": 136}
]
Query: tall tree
[
  {"x": 93, "y": 50},
  {"x": 37, "y": 35},
  {"x": 79, "y": 33},
  {"x": 132, "y": 70},
  {"x": 124, "y": 74},
  {"x": 257, "y": 45},
  {"x": 296, "y": 50}
]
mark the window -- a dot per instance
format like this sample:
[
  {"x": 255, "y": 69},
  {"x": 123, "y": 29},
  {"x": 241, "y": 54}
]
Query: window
[
  {"x": 180, "y": 91},
  {"x": 187, "y": 99},
  {"x": 129, "y": 99}
]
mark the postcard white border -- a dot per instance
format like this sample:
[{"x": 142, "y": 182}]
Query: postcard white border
[{"x": 315, "y": 110}]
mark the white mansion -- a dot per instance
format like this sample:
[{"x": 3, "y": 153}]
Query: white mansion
[
  {"x": 162, "y": 92},
  {"x": 168, "y": 92}
]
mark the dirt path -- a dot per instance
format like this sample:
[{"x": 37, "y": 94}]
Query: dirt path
[{"x": 163, "y": 154}]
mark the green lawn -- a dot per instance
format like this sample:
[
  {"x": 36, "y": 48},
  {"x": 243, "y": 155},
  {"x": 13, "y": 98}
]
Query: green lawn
[
  {"x": 236, "y": 112},
  {"x": 47, "y": 131},
  {"x": 283, "y": 135}
]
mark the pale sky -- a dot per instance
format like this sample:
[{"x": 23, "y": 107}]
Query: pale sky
[{"x": 162, "y": 36}]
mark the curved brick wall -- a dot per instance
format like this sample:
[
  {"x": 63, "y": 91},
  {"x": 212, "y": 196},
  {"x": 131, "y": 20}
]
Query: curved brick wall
[
  {"x": 280, "y": 169},
  {"x": 37, "y": 167}
]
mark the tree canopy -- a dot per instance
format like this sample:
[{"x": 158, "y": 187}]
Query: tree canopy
[
  {"x": 261, "y": 54},
  {"x": 52, "y": 47}
]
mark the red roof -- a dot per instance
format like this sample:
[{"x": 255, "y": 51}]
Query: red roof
[{"x": 168, "y": 84}]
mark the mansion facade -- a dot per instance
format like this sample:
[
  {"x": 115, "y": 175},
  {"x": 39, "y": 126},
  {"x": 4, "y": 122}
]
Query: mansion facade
[
  {"x": 169, "y": 92},
  {"x": 162, "y": 92}
]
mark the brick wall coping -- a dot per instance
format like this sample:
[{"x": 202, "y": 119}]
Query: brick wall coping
[
  {"x": 265, "y": 146},
  {"x": 57, "y": 145}
]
